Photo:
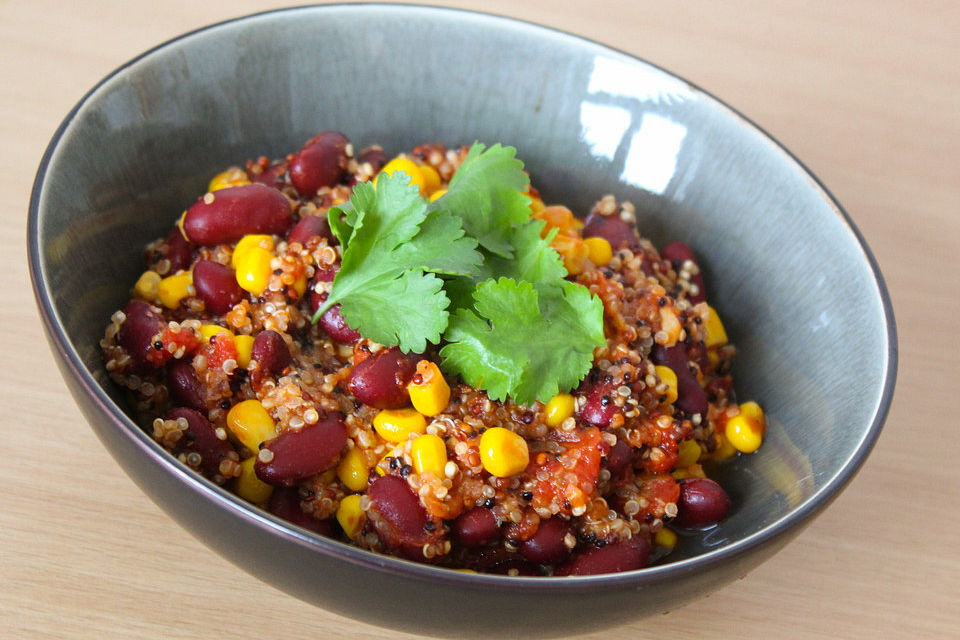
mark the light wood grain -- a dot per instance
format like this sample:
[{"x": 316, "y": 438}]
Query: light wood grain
[{"x": 864, "y": 92}]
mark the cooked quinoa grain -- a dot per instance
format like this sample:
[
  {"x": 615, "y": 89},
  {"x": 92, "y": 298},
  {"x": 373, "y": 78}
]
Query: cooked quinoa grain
[{"x": 223, "y": 366}]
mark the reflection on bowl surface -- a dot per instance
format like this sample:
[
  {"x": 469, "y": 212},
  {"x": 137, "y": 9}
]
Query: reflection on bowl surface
[{"x": 800, "y": 293}]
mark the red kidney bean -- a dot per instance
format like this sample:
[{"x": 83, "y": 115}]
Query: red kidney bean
[
  {"x": 702, "y": 502},
  {"x": 285, "y": 503},
  {"x": 617, "y": 232},
  {"x": 139, "y": 331},
  {"x": 396, "y": 503},
  {"x": 200, "y": 437},
  {"x": 677, "y": 253},
  {"x": 179, "y": 251},
  {"x": 475, "y": 528},
  {"x": 269, "y": 174},
  {"x": 327, "y": 275},
  {"x": 321, "y": 162},
  {"x": 381, "y": 380},
  {"x": 547, "y": 544},
  {"x": 300, "y": 453},
  {"x": 217, "y": 285},
  {"x": 599, "y": 408},
  {"x": 400, "y": 519},
  {"x": 613, "y": 558},
  {"x": 691, "y": 398},
  {"x": 619, "y": 458},
  {"x": 332, "y": 321},
  {"x": 310, "y": 227},
  {"x": 235, "y": 212},
  {"x": 271, "y": 352},
  {"x": 185, "y": 388}
]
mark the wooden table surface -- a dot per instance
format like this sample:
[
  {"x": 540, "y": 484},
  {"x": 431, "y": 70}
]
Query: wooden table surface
[{"x": 864, "y": 92}]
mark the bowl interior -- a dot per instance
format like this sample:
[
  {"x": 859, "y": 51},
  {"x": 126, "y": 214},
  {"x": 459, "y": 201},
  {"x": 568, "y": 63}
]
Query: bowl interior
[{"x": 795, "y": 285}]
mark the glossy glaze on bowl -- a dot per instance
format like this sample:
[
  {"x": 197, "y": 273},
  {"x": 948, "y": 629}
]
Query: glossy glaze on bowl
[{"x": 799, "y": 291}]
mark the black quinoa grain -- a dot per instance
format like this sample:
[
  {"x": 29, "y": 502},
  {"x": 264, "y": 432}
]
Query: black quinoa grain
[
  {"x": 158, "y": 345},
  {"x": 489, "y": 503},
  {"x": 527, "y": 495}
]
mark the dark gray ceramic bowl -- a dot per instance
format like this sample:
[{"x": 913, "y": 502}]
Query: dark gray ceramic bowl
[{"x": 799, "y": 291}]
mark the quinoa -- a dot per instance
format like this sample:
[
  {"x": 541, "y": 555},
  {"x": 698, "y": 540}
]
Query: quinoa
[{"x": 611, "y": 472}]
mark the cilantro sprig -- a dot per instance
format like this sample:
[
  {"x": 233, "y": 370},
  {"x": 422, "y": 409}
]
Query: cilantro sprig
[
  {"x": 393, "y": 247},
  {"x": 468, "y": 271}
]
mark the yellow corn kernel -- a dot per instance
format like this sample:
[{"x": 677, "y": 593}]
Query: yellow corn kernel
[
  {"x": 573, "y": 251},
  {"x": 436, "y": 195},
  {"x": 429, "y": 391},
  {"x": 431, "y": 179},
  {"x": 716, "y": 334},
  {"x": 429, "y": 453},
  {"x": 352, "y": 470},
  {"x": 600, "y": 251},
  {"x": 246, "y": 243},
  {"x": 753, "y": 411},
  {"x": 248, "y": 486},
  {"x": 669, "y": 378},
  {"x": 503, "y": 453},
  {"x": 745, "y": 431},
  {"x": 560, "y": 407},
  {"x": 693, "y": 471},
  {"x": 232, "y": 177},
  {"x": 172, "y": 289},
  {"x": 300, "y": 286},
  {"x": 148, "y": 286},
  {"x": 250, "y": 423},
  {"x": 207, "y": 331},
  {"x": 665, "y": 538},
  {"x": 244, "y": 345},
  {"x": 397, "y": 425},
  {"x": 410, "y": 168},
  {"x": 688, "y": 452},
  {"x": 724, "y": 449},
  {"x": 253, "y": 270},
  {"x": 350, "y": 516}
]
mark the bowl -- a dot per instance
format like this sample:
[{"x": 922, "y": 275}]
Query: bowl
[{"x": 801, "y": 294}]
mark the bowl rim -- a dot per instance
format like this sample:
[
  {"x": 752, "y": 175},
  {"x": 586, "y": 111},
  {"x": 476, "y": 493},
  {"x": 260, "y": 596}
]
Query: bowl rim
[{"x": 793, "y": 521}]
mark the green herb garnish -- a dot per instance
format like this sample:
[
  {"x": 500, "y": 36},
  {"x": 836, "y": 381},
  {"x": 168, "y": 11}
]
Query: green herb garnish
[{"x": 517, "y": 327}]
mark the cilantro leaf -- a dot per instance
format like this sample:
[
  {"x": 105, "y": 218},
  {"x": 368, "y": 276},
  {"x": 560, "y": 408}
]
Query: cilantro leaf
[
  {"x": 534, "y": 261},
  {"x": 525, "y": 341},
  {"x": 417, "y": 310},
  {"x": 486, "y": 193},
  {"x": 384, "y": 286},
  {"x": 337, "y": 219},
  {"x": 441, "y": 247}
]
